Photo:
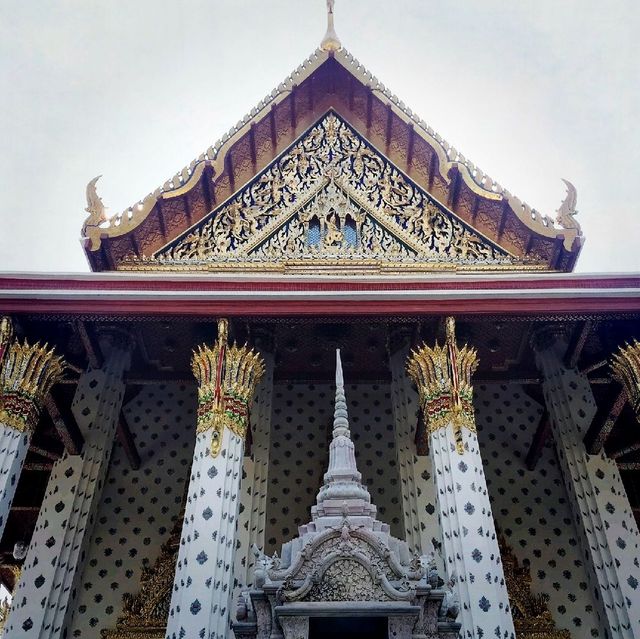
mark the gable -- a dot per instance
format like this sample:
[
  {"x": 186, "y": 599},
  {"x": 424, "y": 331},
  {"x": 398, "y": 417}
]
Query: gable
[
  {"x": 331, "y": 199},
  {"x": 330, "y": 81}
]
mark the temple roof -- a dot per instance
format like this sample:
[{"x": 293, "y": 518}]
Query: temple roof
[{"x": 514, "y": 236}]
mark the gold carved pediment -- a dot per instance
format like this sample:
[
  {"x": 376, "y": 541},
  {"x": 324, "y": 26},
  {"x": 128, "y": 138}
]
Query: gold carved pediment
[
  {"x": 332, "y": 198},
  {"x": 144, "y": 615},
  {"x": 530, "y": 611}
]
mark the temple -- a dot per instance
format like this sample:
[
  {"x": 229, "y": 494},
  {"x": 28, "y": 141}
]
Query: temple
[{"x": 328, "y": 380}]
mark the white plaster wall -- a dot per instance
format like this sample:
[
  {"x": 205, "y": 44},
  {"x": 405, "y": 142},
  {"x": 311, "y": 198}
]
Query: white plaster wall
[
  {"x": 531, "y": 507},
  {"x": 138, "y": 508}
]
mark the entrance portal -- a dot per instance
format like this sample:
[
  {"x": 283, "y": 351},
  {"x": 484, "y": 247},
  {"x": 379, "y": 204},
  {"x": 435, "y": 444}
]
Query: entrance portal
[{"x": 348, "y": 628}]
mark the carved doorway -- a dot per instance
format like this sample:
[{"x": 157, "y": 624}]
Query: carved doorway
[{"x": 348, "y": 628}]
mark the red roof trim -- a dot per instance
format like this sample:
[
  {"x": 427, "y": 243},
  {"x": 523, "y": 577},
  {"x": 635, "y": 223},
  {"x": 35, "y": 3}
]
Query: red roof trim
[{"x": 157, "y": 295}]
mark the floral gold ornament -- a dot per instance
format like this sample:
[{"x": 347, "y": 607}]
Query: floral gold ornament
[
  {"x": 227, "y": 378},
  {"x": 144, "y": 615},
  {"x": 625, "y": 368},
  {"x": 530, "y": 611},
  {"x": 6, "y": 335},
  {"x": 330, "y": 200},
  {"x": 28, "y": 373},
  {"x": 443, "y": 377}
]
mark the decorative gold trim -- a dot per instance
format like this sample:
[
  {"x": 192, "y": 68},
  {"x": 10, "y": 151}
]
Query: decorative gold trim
[
  {"x": 448, "y": 157},
  {"x": 6, "y": 335},
  {"x": 625, "y": 368},
  {"x": 331, "y": 196},
  {"x": 530, "y": 612},
  {"x": 26, "y": 377},
  {"x": 443, "y": 377},
  {"x": 227, "y": 378}
]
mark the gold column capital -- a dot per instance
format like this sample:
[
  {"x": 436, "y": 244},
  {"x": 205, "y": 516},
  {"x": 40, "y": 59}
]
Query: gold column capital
[
  {"x": 227, "y": 379},
  {"x": 625, "y": 368},
  {"x": 28, "y": 373},
  {"x": 443, "y": 377}
]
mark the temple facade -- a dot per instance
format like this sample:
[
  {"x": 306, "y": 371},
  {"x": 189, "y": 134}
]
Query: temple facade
[{"x": 329, "y": 380}]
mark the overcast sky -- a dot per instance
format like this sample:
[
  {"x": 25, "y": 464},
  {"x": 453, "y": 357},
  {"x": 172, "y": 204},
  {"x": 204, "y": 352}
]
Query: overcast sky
[{"x": 530, "y": 91}]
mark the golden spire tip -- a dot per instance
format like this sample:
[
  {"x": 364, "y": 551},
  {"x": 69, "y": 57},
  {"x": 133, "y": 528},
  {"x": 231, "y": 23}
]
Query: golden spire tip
[{"x": 330, "y": 42}]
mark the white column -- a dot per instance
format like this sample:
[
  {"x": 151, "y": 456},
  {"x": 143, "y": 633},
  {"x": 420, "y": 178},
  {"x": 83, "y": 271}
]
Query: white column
[
  {"x": 261, "y": 421},
  {"x": 43, "y": 602},
  {"x": 203, "y": 581},
  {"x": 14, "y": 445},
  {"x": 26, "y": 376},
  {"x": 471, "y": 551},
  {"x": 606, "y": 526},
  {"x": 469, "y": 536},
  {"x": 404, "y": 402}
]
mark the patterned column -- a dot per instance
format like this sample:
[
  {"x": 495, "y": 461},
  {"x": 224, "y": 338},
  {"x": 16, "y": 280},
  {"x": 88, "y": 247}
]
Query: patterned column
[
  {"x": 253, "y": 502},
  {"x": 203, "y": 583},
  {"x": 608, "y": 532},
  {"x": 261, "y": 419},
  {"x": 26, "y": 376},
  {"x": 472, "y": 556},
  {"x": 405, "y": 406},
  {"x": 43, "y": 603}
]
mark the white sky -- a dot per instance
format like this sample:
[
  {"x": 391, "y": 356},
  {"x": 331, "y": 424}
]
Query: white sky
[{"x": 530, "y": 91}]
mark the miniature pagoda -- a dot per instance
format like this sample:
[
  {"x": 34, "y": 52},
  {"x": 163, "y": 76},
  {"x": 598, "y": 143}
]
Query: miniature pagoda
[{"x": 181, "y": 457}]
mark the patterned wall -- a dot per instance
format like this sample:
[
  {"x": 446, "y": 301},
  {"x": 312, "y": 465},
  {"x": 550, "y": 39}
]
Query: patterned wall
[
  {"x": 139, "y": 507},
  {"x": 531, "y": 507},
  {"x": 301, "y": 426}
]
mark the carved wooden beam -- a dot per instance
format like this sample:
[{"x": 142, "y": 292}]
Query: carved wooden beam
[
  {"x": 43, "y": 452},
  {"x": 576, "y": 344},
  {"x": 128, "y": 444},
  {"x": 38, "y": 468},
  {"x": 594, "y": 366},
  {"x": 539, "y": 440},
  {"x": 66, "y": 426},
  {"x": 627, "y": 450},
  {"x": 603, "y": 422},
  {"x": 93, "y": 354},
  {"x": 629, "y": 466}
]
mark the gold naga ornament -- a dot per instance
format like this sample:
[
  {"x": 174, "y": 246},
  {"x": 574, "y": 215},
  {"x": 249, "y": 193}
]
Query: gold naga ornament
[
  {"x": 443, "y": 377},
  {"x": 227, "y": 378},
  {"x": 26, "y": 377},
  {"x": 625, "y": 368}
]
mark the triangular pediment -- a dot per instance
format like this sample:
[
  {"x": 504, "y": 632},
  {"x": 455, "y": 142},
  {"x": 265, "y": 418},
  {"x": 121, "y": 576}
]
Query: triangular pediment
[{"x": 332, "y": 198}]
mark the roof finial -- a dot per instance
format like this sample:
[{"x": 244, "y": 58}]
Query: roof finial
[{"x": 330, "y": 42}]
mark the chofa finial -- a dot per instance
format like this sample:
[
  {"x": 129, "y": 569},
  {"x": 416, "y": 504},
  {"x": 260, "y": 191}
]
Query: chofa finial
[
  {"x": 95, "y": 207},
  {"x": 330, "y": 42},
  {"x": 567, "y": 211}
]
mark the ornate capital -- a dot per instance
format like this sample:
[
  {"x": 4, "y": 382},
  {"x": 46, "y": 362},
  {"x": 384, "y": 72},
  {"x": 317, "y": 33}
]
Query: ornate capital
[
  {"x": 625, "y": 367},
  {"x": 443, "y": 377},
  {"x": 227, "y": 378},
  {"x": 28, "y": 374}
]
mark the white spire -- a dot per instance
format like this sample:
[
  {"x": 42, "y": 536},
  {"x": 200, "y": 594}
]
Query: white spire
[
  {"x": 342, "y": 488},
  {"x": 340, "y": 414}
]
